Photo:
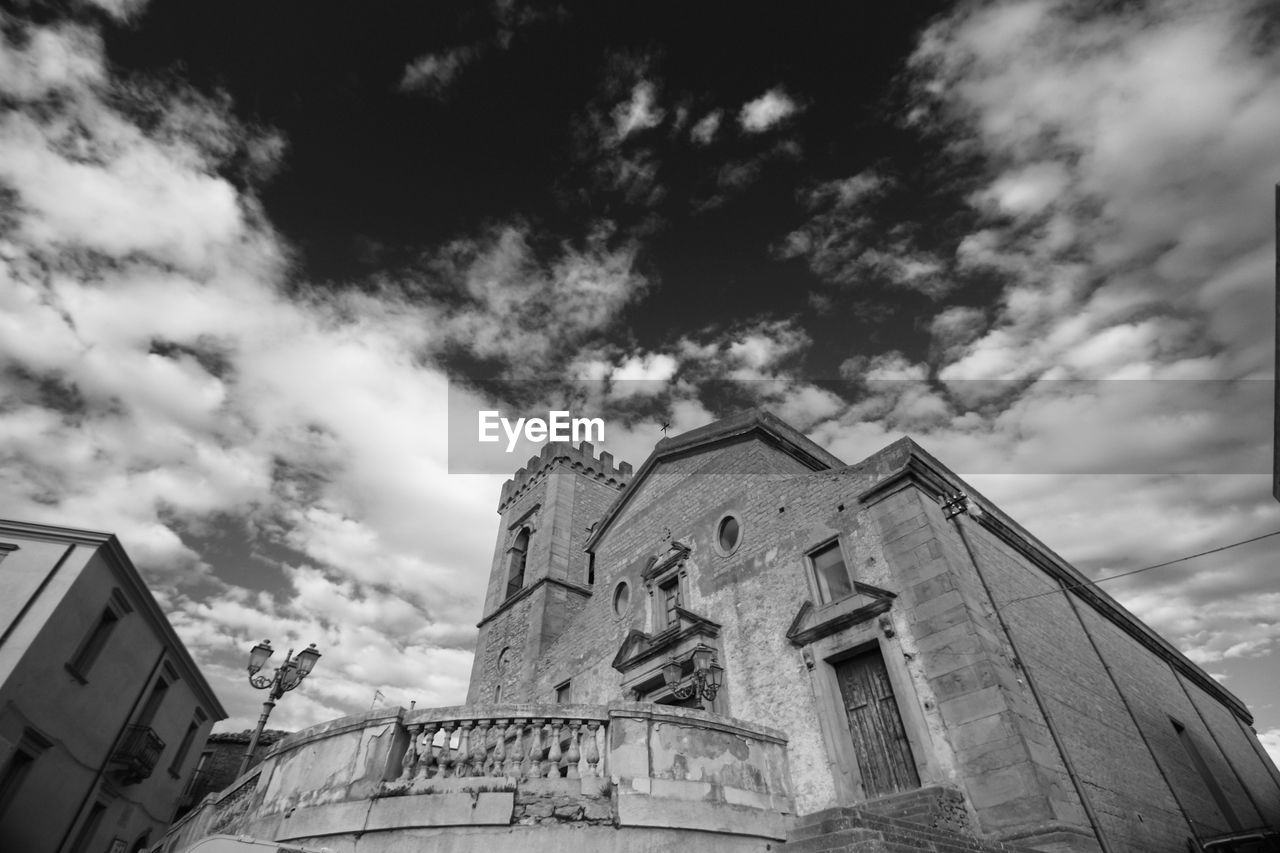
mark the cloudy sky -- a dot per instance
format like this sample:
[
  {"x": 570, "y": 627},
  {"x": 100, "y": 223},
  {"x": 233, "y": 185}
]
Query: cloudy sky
[{"x": 247, "y": 252}]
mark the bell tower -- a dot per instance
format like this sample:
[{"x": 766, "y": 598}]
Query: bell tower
[{"x": 540, "y": 576}]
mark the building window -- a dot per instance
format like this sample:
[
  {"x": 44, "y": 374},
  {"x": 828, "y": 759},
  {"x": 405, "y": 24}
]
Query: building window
[
  {"x": 564, "y": 693},
  {"x": 519, "y": 553},
  {"x": 90, "y": 828},
  {"x": 175, "y": 769},
  {"x": 728, "y": 535},
  {"x": 153, "y": 703},
  {"x": 19, "y": 765},
  {"x": 669, "y": 599},
  {"x": 830, "y": 572},
  {"x": 591, "y": 568},
  {"x": 93, "y": 644},
  {"x": 621, "y": 598},
  {"x": 497, "y": 694}
]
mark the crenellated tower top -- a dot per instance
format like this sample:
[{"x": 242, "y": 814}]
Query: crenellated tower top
[{"x": 580, "y": 459}]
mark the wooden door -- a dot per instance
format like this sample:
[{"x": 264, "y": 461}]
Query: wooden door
[{"x": 879, "y": 740}]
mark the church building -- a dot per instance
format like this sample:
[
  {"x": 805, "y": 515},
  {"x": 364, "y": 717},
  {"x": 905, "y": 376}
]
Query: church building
[{"x": 915, "y": 644}]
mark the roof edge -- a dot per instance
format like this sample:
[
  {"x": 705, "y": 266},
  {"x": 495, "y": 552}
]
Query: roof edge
[
  {"x": 120, "y": 561},
  {"x": 934, "y": 479}
]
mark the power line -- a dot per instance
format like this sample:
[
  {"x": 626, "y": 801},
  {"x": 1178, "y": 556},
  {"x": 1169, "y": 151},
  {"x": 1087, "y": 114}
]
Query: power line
[{"x": 1144, "y": 569}]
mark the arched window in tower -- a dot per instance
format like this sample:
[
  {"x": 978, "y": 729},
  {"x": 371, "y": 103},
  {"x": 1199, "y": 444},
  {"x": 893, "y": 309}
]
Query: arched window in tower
[{"x": 515, "y": 571}]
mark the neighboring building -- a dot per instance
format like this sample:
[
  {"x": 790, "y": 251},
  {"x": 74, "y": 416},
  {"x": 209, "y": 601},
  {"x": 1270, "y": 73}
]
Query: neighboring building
[
  {"x": 900, "y": 667},
  {"x": 220, "y": 760},
  {"x": 103, "y": 714}
]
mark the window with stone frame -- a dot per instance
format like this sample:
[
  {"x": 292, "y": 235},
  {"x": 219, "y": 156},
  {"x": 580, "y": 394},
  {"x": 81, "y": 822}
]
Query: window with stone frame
[
  {"x": 830, "y": 572},
  {"x": 669, "y": 598},
  {"x": 96, "y": 640},
  {"x": 21, "y": 760},
  {"x": 519, "y": 553}
]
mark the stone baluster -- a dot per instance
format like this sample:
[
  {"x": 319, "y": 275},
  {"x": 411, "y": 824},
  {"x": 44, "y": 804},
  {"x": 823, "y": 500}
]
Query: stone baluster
[
  {"x": 554, "y": 755},
  {"x": 574, "y": 755},
  {"x": 462, "y": 759},
  {"x": 515, "y": 757},
  {"x": 428, "y": 751},
  {"x": 593, "y": 752},
  {"x": 446, "y": 751},
  {"x": 500, "y": 748},
  {"x": 479, "y": 748},
  {"x": 409, "y": 763},
  {"x": 535, "y": 751}
]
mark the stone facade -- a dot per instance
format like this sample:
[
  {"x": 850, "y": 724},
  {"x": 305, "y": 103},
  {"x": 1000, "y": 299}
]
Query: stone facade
[{"x": 1056, "y": 718}]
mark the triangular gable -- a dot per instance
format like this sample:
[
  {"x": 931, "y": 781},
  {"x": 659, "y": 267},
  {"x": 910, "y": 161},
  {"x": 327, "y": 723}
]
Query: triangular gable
[
  {"x": 757, "y": 422},
  {"x": 868, "y": 602},
  {"x": 638, "y": 647}
]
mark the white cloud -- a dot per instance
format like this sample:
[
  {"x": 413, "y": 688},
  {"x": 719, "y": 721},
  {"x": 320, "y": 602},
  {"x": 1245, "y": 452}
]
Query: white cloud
[
  {"x": 1271, "y": 742},
  {"x": 704, "y": 132},
  {"x": 162, "y": 383},
  {"x": 639, "y": 113},
  {"x": 1124, "y": 151},
  {"x": 767, "y": 111},
  {"x": 433, "y": 73}
]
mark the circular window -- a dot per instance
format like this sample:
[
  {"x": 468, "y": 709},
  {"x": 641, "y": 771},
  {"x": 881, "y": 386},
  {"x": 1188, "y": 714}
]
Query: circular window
[
  {"x": 728, "y": 535},
  {"x": 502, "y": 657},
  {"x": 621, "y": 598}
]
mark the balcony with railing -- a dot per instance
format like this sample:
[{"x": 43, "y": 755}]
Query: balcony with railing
[
  {"x": 136, "y": 755},
  {"x": 560, "y": 774}
]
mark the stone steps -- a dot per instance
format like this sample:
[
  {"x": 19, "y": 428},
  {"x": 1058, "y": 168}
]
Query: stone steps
[{"x": 909, "y": 823}]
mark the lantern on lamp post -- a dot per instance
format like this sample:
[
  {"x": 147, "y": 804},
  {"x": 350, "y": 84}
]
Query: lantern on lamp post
[
  {"x": 703, "y": 682},
  {"x": 287, "y": 676}
]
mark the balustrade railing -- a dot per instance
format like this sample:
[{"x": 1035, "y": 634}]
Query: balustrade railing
[{"x": 520, "y": 746}]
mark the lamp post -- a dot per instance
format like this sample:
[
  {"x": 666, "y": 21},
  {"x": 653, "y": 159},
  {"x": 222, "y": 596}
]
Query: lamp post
[{"x": 287, "y": 676}]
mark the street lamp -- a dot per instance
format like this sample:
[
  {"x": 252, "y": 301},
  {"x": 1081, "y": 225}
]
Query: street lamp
[
  {"x": 705, "y": 678},
  {"x": 287, "y": 676}
]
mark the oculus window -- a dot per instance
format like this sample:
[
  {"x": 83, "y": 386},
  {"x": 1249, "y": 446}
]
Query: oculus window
[
  {"x": 830, "y": 572},
  {"x": 728, "y": 535},
  {"x": 621, "y": 598}
]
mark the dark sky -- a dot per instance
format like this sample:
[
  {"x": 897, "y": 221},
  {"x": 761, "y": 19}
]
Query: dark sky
[{"x": 376, "y": 177}]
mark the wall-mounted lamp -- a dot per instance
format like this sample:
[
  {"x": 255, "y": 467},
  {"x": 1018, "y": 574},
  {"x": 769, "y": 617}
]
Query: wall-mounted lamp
[{"x": 704, "y": 681}]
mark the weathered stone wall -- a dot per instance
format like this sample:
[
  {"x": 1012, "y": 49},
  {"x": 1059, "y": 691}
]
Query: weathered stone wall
[
  {"x": 1116, "y": 725},
  {"x": 1000, "y": 744},
  {"x": 972, "y": 719},
  {"x": 785, "y": 510},
  {"x": 347, "y": 785},
  {"x": 558, "y": 495}
]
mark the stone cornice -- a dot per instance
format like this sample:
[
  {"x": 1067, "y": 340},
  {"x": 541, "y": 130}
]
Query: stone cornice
[
  {"x": 508, "y": 603},
  {"x": 881, "y": 601}
]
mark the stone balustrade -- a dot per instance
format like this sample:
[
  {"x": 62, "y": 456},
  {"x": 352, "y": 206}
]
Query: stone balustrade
[
  {"x": 613, "y": 778},
  {"x": 520, "y": 742}
]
